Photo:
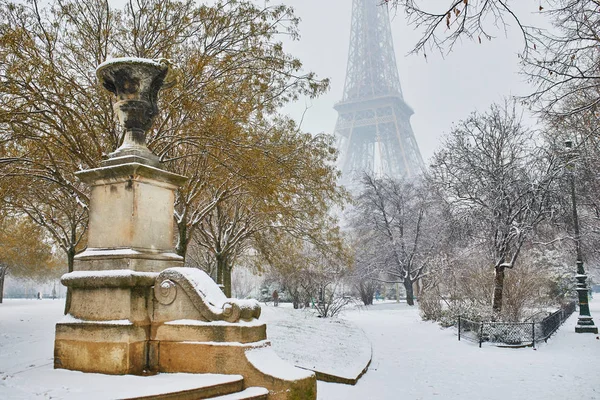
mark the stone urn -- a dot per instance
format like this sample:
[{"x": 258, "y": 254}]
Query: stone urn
[{"x": 135, "y": 82}]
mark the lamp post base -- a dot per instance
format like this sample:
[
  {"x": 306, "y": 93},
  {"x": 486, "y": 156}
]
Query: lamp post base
[
  {"x": 586, "y": 329},
  {"x": 585, "y": 324}
]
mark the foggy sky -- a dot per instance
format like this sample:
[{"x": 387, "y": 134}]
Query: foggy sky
[{"x": 441, "y": 90}]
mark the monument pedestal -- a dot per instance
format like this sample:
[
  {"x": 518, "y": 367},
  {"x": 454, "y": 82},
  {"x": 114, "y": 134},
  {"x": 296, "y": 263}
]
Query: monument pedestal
[
  {"x": 108, "y": 325},
  {"x": 131, "y": 219},
  {"x": 134, "y": 309},
  {"x": 111, "y": 347}
]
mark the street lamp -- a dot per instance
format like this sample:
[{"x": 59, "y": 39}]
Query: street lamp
[{"x": 585, "y": 323}]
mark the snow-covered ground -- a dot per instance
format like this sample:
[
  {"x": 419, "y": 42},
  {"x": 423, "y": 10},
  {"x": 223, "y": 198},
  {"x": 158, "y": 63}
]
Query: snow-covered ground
[
  {"x": 418, "y": 360},
  {"x": 412, "y": 359},
  {"x": 332, "y": 346}
]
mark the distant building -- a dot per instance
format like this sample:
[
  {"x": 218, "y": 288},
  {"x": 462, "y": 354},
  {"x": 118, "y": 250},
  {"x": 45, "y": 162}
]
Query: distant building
[{"x": 373, "y": 123}]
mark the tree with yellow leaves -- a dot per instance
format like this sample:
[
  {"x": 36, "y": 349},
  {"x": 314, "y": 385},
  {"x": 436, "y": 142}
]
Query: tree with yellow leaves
[
  {"x": 218, "y": 125},
  {"x": 24, "y": 250}
]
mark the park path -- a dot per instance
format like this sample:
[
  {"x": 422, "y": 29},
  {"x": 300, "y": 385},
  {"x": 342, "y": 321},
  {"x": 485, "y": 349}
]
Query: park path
[{"x": 418, "y": 360}]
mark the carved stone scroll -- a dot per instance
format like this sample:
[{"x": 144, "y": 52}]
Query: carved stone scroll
[{"x": 205, "y": 295}]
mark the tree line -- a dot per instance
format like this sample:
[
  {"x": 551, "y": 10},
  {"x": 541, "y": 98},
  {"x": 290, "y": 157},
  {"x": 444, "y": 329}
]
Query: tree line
[
  {"x": 488, "y": 228},
  {"x": 493, "y": 208}
]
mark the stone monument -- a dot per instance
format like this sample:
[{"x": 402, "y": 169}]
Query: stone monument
[{"x": 134, "y": 308}]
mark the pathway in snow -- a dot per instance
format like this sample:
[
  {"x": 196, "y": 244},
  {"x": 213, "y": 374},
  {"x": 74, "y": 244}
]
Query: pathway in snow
[{"x": 417, "y": 360}]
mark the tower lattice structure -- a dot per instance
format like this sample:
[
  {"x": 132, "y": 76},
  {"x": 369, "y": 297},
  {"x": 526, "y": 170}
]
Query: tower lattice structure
[{"x": 373, "y": 123}]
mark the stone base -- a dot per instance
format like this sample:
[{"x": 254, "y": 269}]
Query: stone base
[
  {"x": 585, "y": 324},
  {"x": 107, "y": 347},
  {"x": 256, "y": 362},
  {"x": 192, "y": 331},
  {"x": 126, "y": 259},
  {"x": 586, "y": 329}
]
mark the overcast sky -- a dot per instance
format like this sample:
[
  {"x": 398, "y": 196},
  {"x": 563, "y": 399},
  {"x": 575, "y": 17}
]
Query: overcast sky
[{"x": 440, "y": 90}]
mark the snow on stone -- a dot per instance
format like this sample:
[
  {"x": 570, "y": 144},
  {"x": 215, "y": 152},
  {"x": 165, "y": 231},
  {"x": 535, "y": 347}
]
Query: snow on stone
[
  {"x": 45, "y": 382},
  {"x": 112, "y": 273},
  {"x": 267, "y": 361},
  {"x": 329, "y": 345},
  {"x": 129, "y": 60},
  {"x": 113, "y": 252},
  {"x": 203, "y": 284},
  {"x": 253, "y": 322},
  {"x": 69, "y": 319},
  {"x": 251, "y": 391}
]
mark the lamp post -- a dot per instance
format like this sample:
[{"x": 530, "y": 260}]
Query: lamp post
[{"x": 585, "y": 323}]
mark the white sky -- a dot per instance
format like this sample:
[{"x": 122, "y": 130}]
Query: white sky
[{"x": 440, "y": 90}]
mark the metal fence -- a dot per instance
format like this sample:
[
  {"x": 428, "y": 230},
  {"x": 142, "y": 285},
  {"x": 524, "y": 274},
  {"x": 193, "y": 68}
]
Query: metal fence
[{"x": 513, "y": 333}]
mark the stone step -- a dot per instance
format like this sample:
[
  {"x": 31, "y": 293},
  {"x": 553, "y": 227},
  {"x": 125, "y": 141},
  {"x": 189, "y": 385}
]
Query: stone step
[
  {"x": 251, "y": 393},
  {"x": 228, "y": 384}
]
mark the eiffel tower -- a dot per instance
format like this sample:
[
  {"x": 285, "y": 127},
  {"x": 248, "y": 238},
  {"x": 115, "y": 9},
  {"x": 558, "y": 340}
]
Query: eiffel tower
[{"x": 373, "y": 123}]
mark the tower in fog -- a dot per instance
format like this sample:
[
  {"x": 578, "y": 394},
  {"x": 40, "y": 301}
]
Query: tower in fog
[{"x": 373, "y": 123}]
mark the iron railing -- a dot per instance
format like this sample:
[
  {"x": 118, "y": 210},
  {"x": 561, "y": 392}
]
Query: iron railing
[{"x": 513, "y": 333}]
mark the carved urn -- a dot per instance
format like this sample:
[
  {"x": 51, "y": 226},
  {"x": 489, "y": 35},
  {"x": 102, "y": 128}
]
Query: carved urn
[{"x": 136, "y": 83}]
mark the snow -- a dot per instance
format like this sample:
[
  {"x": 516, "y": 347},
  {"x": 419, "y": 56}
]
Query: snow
[
  {"x": 112, "y": 273},
  {"x": 129, "y": 60},
  {"x": 251, "y": 391},
  {"x": 267, "y": 361},
  {"x": 69, "y": 319},
  {"x": 253, "y": 322},
  {"x": 412, "y": 359},
  {"x": 26, "y": 362},
  {"x": 329, "y": 345},
  {"x": 125, "y": 252},
  {"x": 204, "y": 285},
  {"x": 46, "y": 383}
]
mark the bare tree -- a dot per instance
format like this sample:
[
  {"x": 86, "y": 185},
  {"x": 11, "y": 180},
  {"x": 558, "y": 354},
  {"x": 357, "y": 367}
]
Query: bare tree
[
  {"x": 565, "y": 65},
  {"x": 365, "y": 276},
  {"x": 389, "y": 221},
  {"x": 492, "y": 176},
  {"x": 443, "y": 25},
  {"x": 583, "y": 130},
  {"x": 244, "y": 281},
  {"x": 562, "y": 62},
  {"x": 326, "y": 286},
  {"x": 310, "y": 271}
]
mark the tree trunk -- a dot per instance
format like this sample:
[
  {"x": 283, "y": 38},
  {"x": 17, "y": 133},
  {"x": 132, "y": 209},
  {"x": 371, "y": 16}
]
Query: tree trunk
[
  {"x": 227, "y": 280},
  {"x": 70, "y": 259},
  {"x": 182, "y": 240},
  {"x": 417, "y": 288},
  {"x": 70, "y": 262},
  {"x": 408, "y": 286},
  {"x": 220, "y": 265},
  {"x": 2, "y": 275},
  {"x": 224, "y": 274},
  {"x": 498, "y": 290}
]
